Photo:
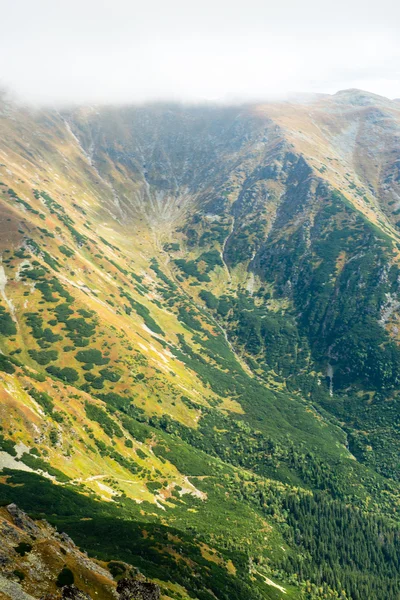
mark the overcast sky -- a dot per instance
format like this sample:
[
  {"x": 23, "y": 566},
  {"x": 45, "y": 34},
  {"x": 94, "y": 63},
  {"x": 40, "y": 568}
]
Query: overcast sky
[{"x": 130, "y": 50}]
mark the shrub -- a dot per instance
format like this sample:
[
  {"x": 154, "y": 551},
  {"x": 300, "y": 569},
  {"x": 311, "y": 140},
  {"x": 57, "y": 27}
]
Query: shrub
[
  {"x": 209, "y": 299},
  {"x": 34, "y": 273},
  {"x": 65, "y": 577},
  {"x": 67, "y": 251},
  {"x": 7, "y": 446},
  {"x": 97, "y": 383},
  {"x": 186, "y": 317},
  {"x": 43, "y": 399},
  {"x": 144, "y": 312},
  {"x": 38, "y": 463},
  {"x": 110, "y": 375},
  {"x": 80, "y": 326},
  {"x": 7, "y": 325},
  {"x": 66, "y": 374},
  {"x": 43, "y": 357},
  {"x": 53, "y": 436},
  {"x": 5, "y": 365},
  {"x": 212, "y": 259},
  {"x": 116, "y": 568},
  {"x": 23, "y": 548},
  {"x": 95, "y": 413},
  {"x": 51, "y": 337},
  {"x": 92, "y": 356}
]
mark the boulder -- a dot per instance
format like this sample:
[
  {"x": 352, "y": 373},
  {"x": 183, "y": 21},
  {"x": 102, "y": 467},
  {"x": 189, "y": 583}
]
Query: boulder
[{"x": 133, "y": 589}]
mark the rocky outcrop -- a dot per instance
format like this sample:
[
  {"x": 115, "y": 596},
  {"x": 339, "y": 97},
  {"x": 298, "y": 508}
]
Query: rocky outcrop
[
  {"x": 68, "y": 592},
  {"x": 133, "y": 589},
  {"x": 11, "y": 590},
  {"x": 32, "y": 556},
  {"x": 71, "y": 592},
  {"x": 33, "y": 553}
]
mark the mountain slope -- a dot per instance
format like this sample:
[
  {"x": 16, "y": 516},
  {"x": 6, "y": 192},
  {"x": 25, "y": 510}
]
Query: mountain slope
[
  {"x": 306, "y": 189},
  {"x": 199, "y": 341}
]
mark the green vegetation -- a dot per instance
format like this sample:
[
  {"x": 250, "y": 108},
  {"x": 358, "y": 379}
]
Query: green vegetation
[
  {"x": 190, "y": 268},
  {"x": 23, "y": 548},
  {"x": 7, "y": 445},
  {"x": 65, "y": 577},
  {"x": 92, "y": 356},
  {"x": 110, "y": 375},
  {"x": 25, "y": 204},
  {"x": 39, "y": 464},
  {"x": 95, "y": 413},
  {"x": 7, "y": 325},
  {"x": 67, "y": 374},
  {"x": 186, "y": 317},
  {"x": 210, "y": 300},
  {"x": 6, "y": 365},
  {"x": 67, "y": 251},
  {"x": 144, "y": 312},
  {"x": 43, "y": 357},
  {"x": 337, "y": 322},
  {"x": 43, "y": 399},
  {"x": 258, "y": 438}
]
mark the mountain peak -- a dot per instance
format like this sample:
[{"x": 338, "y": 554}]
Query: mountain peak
[{"x": 360, "y": 97}]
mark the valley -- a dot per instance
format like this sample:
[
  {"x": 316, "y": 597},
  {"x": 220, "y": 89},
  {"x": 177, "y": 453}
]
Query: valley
[{"x": 199, "y": 341}]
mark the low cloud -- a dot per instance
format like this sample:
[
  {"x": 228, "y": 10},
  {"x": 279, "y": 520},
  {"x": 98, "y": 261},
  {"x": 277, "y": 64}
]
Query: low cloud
[{"x": 126, "y": 51}]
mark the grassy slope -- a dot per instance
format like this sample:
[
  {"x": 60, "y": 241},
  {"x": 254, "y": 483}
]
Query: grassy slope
[{"x": 128, "y": 461}]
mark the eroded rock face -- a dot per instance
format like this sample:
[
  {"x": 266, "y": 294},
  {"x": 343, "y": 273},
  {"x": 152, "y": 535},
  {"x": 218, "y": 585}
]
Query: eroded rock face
[
  {"x": 132, "y": 589},
  {"x": 127, "y": 589},
  {"x": 71, "y": 592},
  {"x": 26, "y": 548},
  {"x": 68, "y": 592},
  {"x": 32, "y": 555},
  {"x": 22, "y": 521}
]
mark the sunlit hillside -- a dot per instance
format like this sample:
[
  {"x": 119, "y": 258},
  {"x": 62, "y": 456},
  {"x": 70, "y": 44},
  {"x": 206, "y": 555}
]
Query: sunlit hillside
[{"x": 199, "y": 325}]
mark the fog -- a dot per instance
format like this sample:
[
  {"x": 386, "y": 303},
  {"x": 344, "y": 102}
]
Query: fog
[{"x": 78, "y": 51}]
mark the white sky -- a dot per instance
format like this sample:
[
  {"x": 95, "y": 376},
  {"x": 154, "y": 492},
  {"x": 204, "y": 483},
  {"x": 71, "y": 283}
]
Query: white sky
[{"x": 194, "y": 50}]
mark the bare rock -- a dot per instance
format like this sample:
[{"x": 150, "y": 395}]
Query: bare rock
[
  {"x": 22, "y": 520},
  {"x": 133, "y": 589},
  {"x": 71, "y": 592}
]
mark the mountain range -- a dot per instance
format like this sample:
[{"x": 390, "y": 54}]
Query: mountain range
[{"x": 199, "y": 342}]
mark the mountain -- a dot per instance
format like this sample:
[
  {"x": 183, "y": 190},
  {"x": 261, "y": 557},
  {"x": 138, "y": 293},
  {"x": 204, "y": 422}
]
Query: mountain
[{"x": 200, "y": 343}]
